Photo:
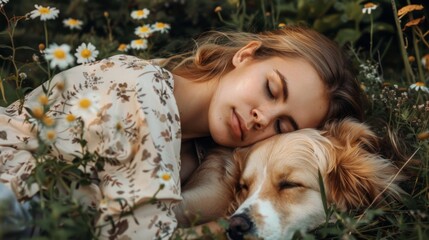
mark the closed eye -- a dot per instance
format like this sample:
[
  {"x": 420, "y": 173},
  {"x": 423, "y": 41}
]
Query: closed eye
[
  {"x": 288, "y": 185},
  {"x": 269, "y": 91}
]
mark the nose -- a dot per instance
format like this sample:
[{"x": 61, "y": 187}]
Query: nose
[
  {"x": 239, "y": 225},
  {"x": 260, "y": 120}
]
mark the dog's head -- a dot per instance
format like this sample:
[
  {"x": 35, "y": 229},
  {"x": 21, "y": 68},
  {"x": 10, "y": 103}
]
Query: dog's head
[{"x": 280, "y": 187}]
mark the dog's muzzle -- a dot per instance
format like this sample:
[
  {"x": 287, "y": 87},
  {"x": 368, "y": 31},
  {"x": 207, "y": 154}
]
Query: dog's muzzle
[{"x": 239, "y": 226}]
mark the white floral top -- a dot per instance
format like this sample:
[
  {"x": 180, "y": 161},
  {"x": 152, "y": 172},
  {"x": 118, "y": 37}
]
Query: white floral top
[{"x": 125, "y": 109}]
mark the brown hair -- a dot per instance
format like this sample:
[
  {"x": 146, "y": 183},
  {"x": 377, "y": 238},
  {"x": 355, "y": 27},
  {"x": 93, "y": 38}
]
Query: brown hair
[{"x": 212, "y": 57}]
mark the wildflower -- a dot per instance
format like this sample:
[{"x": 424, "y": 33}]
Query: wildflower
[
  {"x": 73, "y": 23},
  {"x": 218, "y": 9},
  {"x": 45, "y": 13},
  {"x": 161, "y": 27},
  {"x": 48, "y": 135},
  {"x": 43, "y": 99},
  {"x": 139, "y": 44},
  {"x": 85, "y": 105},
  {"x": 48, "y": 121},
  {"x": 37, "y": 112},
  {"x": 140, "y": 14},
  {"x": 419, "y": 86},
  {"x": 282, "y": 25},
  {"x": 368, "y": 7},
  {"x": 411, "y": 59},
  {"x": 59, "y": 55},
  {"x": 86, "y": 53},
  {"x": 409, "y": 8},
  {"x": 70, "y": 118},
  {"x": 22, "y": 76},
  {"x": 423, "y": 135},
  {"x": 143, "y": 31},
  {"x": 123, "y": 47}
]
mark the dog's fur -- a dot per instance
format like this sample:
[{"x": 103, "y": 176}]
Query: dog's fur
[{"x": 274, "y": 185}]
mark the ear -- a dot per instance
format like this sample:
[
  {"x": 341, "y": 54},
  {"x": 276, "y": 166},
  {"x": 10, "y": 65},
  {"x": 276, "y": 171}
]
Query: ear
[
  {"x": 245, "y": 53},
  {"x": 358, "y": 174}
]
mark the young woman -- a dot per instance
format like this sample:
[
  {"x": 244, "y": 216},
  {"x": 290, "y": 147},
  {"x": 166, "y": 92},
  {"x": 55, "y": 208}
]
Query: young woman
[{"x": 143, "y": 118}]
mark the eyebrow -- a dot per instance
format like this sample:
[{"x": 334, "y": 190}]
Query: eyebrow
[{"x": 285, "y": 96}]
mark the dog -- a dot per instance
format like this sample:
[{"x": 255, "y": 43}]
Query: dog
[{"x": 273, "y": 188}]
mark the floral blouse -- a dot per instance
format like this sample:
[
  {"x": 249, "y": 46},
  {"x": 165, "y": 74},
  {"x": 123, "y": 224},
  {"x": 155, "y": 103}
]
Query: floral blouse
[{"x": 124, "y": 108}]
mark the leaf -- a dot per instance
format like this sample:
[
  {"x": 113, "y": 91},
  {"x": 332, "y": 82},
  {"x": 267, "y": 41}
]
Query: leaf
[
  {"x": 414, "y": 22},
  {"x": 409, "y": 8}
]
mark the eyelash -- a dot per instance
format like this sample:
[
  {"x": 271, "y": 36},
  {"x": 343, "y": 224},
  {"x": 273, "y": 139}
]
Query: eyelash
[{"x": 277, "y": 126}]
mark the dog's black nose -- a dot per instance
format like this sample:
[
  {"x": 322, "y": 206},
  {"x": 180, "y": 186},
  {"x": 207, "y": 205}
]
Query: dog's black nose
[{"x": 239, "y": 225}]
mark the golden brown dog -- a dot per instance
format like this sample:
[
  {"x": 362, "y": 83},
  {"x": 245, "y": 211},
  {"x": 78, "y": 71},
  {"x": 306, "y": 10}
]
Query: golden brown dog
[{"x": 274, "y": 185}]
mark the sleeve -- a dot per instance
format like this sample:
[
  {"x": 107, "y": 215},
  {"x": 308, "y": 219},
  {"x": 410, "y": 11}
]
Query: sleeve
[{"x": 124, "y": 109}]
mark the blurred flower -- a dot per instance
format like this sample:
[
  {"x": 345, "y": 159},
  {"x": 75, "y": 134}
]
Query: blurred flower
[
  {"x": 282, "y": 25},
  {"x": 37, "y": 112},
  {"x": 368, "y": 7},
  {"x": 85, "y": 105},
  {"x": 419, "y": 86},
  {"x": 2, "y": 2},
  {"x": 22, "y": 76},
  {"x": 86, "y": 53},
  {"x": 42, "y": 47},
  {"x": 73, "y": 23},
  {"x": 218, "y": 9},
  {"x": 425, "y": 61},
  {"x": 161, "y": 27},
  {"x": 48, "y": 135},
  {"x": 411, "y": 59},
  {"x": 143, "y": 31},
  {"x": 423, "y": 135},
  {"x": 48, "y": 121},
  {"x": 70, "y": 118},
  {"x": 140, "y": 14},
  {"x": 123, "y": 47},
  {"x": 43, "y": 99},
  {"x": 409, "y": 8},
  {"x": 59, "y": 55},
  {"x": 139, "y": 44},
  {"x": 45, "y": 13}
]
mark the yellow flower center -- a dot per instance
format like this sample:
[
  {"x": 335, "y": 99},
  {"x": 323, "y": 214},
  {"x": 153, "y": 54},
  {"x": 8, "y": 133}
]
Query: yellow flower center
[
  {"x": 43, "y": 99},
  {"x": 85, "y": 103},
  {"x": 144, "y": 29},
  {"x": 37, "y": 112},
  {"x": 140, "y": 13},
  {"x": 139, "y": 42},
  {"x": 369, "y": 5},
  {"x": 420, "y": 84},
  {"x": 122, "y": 47},
  {"x": 48, "y": 121},
  {"x": 51, "y": 135},
  {"x": 160, "y": 25},
  {"x": 166, "y": 176},
  {"x": 72, "y": 22},
  {"x": 86, "y": 53},
  {"x": 44, "y": 10},
  {"x": 70, "y": 117},
  {"x": 59, "y": 53}
]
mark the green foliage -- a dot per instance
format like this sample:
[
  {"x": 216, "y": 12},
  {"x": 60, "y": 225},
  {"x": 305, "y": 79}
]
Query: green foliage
[{"x": 381, "y": 46}]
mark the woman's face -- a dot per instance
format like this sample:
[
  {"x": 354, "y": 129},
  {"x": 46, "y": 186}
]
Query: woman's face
[{"x": 261, "y": 98}]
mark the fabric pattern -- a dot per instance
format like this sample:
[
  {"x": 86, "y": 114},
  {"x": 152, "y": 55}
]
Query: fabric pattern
[{"x": 124, "y": 108}]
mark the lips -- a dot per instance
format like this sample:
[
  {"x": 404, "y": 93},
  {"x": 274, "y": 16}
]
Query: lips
[{"x": 236, "y": 125}]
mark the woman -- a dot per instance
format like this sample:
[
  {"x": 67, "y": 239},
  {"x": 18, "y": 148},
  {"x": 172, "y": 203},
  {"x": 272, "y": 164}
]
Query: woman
[{"x": 144, "y": 118}]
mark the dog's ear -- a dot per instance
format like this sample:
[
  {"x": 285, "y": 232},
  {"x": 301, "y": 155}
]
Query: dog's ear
[
  {"x": 240, "y": 156},
  {"x": 358, "y": 174}
]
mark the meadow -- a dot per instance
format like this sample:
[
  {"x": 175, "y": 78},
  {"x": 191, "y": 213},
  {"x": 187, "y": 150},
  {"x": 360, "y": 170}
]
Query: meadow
[{"x": 387, "y": 41}]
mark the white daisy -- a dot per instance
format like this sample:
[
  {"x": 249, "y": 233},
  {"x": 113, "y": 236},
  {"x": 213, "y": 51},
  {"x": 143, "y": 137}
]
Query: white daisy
[
  {"x": 165, "y": 179},
  {"x": 73, "y": 23},
  {"x": 59, "y": 55},
  {"x": 123, "y": 47},
  {"x": 86, "y": 53},
  {"x": 161, "y": 27},
  {"x": 45, "y": 13},
  {"x": 368, "y": 7},
  {"x": 48, "y": 135},
  {"x": 143, "y": 31},
  {"x": 85, "y": 105},
  {"x": 419, "y": 86},
  {"x": 139, "y": 44},
  {"x": 140, "y": 14}
]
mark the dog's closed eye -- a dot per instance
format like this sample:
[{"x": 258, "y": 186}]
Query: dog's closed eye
[{"x": 288, "y": 185}]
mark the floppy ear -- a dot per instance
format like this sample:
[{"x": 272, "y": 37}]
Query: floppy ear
[
  {"x": 358, "y": 174},
  {"x": 240, "y": 156}
]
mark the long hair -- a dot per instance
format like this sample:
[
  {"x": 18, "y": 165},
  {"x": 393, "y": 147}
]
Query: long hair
[{"x": 213, "y": 53}]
